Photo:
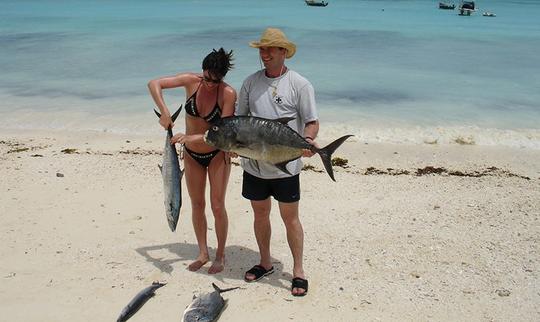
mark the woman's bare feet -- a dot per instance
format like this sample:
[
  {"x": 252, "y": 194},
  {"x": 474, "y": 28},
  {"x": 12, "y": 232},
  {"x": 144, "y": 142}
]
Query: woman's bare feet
[
  {"x": 217, "y": 266},
  {"x": 197, "y": 264}
]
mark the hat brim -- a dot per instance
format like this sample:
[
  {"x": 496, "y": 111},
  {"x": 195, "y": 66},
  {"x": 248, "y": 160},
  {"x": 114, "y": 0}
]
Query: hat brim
[{"x": 289, "y": 46}]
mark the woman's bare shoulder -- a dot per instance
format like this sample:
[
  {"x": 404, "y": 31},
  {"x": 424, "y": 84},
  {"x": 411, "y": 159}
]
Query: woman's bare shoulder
[
  {"x": 229, "y": 90},
  {"x": 190, "y": 77}
]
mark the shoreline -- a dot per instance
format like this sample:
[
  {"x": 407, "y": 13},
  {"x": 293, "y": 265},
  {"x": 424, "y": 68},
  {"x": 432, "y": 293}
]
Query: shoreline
[
  {"x": 367, "y": 131},
  {"x": 380, "y": 244}
]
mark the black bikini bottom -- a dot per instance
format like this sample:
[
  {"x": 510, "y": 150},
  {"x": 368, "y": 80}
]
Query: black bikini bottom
[{"x": 203, "y": 159}]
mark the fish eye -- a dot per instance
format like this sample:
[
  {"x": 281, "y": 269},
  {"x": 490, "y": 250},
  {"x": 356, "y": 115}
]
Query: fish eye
[{"x": 215, "y": 128}]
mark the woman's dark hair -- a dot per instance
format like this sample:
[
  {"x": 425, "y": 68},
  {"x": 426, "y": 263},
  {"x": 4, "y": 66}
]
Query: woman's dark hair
[{"x": 218, "y": 62}]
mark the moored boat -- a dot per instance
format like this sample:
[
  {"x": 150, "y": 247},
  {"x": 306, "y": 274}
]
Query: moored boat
[
  {"x": 466, "y": 8},
  {"x": 315, "y": 3},
  {"x": 447, "y": 6}
]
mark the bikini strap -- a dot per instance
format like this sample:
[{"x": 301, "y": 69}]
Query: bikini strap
[{"x": 194, "y": 95}]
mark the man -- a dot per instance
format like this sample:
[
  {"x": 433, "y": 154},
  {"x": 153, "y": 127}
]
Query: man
[{"x": 277, "y": 92}]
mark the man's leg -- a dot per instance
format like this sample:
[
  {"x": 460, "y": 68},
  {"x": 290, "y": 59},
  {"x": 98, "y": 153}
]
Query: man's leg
[
  {"x": 263, "y": 232},
  {"x": 295, "y": 237}
]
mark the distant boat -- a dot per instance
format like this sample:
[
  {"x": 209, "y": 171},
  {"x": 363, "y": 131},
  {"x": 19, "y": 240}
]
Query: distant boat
[
  {"x": 489, "y": 14},
  {"x": 448, "y": 6},
  {"x": 466, "y": 8},
  {"x": 315, "y": 3}
]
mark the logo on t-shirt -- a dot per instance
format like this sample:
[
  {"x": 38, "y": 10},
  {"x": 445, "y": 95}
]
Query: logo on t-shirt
[{"x": 278, "y": 99}]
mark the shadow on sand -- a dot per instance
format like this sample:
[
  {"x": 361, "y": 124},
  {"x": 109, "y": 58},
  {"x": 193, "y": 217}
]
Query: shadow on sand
[{"x": 239, "y": 260}]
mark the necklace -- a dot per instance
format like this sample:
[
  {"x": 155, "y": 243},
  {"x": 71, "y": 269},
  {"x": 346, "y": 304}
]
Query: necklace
[{"x": 273, "y": 85}]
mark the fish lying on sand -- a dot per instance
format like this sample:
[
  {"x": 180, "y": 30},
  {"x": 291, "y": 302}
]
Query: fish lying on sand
[
  {"x": 266, "y": 140},
  {"x": 207, "y": 307},
  {"x": 138, "y": 301},
  {"x": 172, "y": 177}
]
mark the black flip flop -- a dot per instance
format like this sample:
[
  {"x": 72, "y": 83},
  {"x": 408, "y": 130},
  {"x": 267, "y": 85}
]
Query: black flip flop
[
  {"x": 298, "y": 282},
  {"x": 259, "y": 272}
]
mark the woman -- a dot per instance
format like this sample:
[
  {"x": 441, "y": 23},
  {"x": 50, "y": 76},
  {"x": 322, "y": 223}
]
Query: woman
[{"x": 209, "y": 98}]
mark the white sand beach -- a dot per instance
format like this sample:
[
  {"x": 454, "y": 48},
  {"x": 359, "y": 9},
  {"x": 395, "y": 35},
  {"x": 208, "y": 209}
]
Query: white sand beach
[{"x": 83, "y": 230}]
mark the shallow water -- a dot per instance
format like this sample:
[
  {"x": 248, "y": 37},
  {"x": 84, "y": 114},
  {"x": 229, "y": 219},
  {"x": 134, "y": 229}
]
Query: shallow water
[{"x": 408, "y": 73}]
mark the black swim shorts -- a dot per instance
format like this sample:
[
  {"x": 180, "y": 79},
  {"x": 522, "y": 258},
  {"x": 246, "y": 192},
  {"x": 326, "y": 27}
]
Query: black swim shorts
[{"x": 282, "y": 189}]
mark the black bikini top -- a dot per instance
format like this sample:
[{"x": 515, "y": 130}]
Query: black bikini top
[{"x": 191, "y": 108}]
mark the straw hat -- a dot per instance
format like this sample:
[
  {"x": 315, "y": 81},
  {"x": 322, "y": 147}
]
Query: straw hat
[{"x": 273, "y": 37}]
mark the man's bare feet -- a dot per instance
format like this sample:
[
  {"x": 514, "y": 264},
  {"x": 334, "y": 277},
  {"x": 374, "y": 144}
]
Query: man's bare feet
[
  {"x": 217, "y": 266},
  {"x": 196, "y": 265}
]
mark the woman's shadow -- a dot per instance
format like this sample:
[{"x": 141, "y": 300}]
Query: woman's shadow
[{"x": 238, "y": 260}]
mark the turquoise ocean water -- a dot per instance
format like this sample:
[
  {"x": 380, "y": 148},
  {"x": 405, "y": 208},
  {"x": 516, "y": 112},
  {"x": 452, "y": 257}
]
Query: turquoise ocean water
[{"x": 387, "y": 71}]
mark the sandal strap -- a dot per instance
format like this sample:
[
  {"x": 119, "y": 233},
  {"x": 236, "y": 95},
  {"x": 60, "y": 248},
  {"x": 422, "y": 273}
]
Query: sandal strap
[
  {"x": 257, "y": 271},
  {"x": 299, "y": 282}
]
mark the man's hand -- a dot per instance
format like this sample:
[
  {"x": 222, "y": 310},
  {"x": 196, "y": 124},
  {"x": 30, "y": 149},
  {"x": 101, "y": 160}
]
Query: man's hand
[{"x": 306, "y": 153}]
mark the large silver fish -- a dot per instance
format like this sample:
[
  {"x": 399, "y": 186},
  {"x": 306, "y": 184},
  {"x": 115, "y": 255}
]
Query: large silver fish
[
  {"x": 207, "y": 307},
  {"x": 172, "y": 177},
  {"x": 138, "y": 301},
  {"x": 266, "y": 140}
]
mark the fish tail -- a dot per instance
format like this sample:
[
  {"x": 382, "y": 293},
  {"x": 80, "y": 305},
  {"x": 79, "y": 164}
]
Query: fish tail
[
  {"x": 174, "y": 116},
  {"x": 326, "y": 154},
  {"x": 157, "y": 284},
  {"x": 219, "y": 290}
]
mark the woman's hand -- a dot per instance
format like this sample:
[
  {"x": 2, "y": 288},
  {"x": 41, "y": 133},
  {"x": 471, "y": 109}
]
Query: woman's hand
[
  {"x": 166, "y": 121},
  {"x": 178, "y": 138},
  {"x": 183, "y": 138}
]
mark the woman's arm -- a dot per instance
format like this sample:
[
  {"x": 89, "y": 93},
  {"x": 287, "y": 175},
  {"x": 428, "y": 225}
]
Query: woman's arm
[
  {"x": 229, "y": 101},
  {"x": 156, "y": 87}
]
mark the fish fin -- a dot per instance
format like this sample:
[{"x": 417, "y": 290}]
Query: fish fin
[
  {"x": 160, "y": 168},
  {"x": 219, "y": 290},
  {"x": 175, "y": 115},
  {"x": 194, "y": 296},
  {"x": 283, "y": 167},
  {"x": 257, "y": 165},
  {"x": 241, "y": 145},
  {"x": 157, "y": 113},
  {"x": 326, "y": 154},
  {"x": 284, "y": 120}
]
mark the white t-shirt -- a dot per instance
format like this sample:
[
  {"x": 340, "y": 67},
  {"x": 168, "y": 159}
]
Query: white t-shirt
[{"x": 289, "y": 95}]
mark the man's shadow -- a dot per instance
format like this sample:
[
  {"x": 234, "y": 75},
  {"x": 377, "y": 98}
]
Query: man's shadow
[{"x": 239, "y": 259}]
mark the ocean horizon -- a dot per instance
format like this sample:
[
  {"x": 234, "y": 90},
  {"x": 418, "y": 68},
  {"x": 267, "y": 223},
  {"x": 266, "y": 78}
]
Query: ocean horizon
[{"x": 386, "y": 71}]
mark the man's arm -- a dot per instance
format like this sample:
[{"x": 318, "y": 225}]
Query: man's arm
[
  {"x": 310, "y": 133},
  {"x": 242, "y": 108},
  {"x": 311, "y": 130}
]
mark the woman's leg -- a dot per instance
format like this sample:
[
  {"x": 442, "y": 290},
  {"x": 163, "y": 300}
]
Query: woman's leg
[
  {"x": 196, "y": 183},
  {"x": 218, "y": 174}
]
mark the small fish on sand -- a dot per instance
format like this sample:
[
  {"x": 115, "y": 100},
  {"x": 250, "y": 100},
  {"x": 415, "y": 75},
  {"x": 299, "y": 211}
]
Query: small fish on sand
[
  {"x": 138, "y": 301},
  {"x": 207, "y": 307}
]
